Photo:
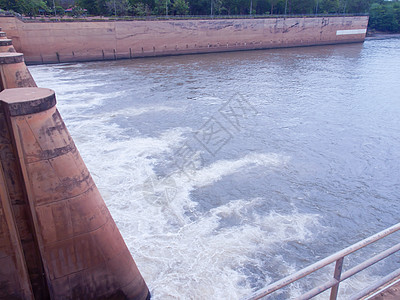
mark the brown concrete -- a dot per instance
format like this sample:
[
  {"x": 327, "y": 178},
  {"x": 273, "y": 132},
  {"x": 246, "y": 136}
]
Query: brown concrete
[
  {"x": 6, "y": 44},
  {"x": 13, "y": 71},
  {"x": 77, "y": 245},
  {"x": 14, "y": 278},
  {"x": 19, "y": 212},
  {"x": 31, "y": 270},
  {"x": 81, "y": 41},
  {"x": 57, "y": 237}
]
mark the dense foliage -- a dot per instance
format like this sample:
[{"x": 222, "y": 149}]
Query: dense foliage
[{"x": 384, "y": 15}]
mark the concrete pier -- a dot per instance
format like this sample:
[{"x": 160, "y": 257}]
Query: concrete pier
[
  {"x": 6, "y": 45},
  {"x": 57, "y": 237},
  {"x": 14, "y": 72}
]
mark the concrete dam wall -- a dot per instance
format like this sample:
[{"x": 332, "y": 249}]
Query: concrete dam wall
[
  {"x": 84, "y": 41},
  {"x": 58, "y": 239}
]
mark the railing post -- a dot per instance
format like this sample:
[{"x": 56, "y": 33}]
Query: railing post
[{"x": 336, "y": 275}]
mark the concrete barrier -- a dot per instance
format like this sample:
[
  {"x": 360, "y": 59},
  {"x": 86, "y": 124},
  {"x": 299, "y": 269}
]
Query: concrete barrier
[
  {"x": 6, "y": 45},
  {"x": 83, "y": 41},
  {"x": 57, "y": 237},
  {"x": 82, "y": 254},
  {"x": 14, "y": 72}
]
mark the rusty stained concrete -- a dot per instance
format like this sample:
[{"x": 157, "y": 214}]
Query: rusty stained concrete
[
  {"x": 83, "y": 41},
  {"x": 6, "y": 45},
  {"x": 83, "y": 255},
  {"x": 57, "y": 237},
  {"x": 14, "y": 72}
]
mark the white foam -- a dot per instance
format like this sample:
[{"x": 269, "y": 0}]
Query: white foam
[
  {"x": 177, "y": 255},
  {"x": 203, "y": 261},
  {"x": 218, "y": 169},
  {"x": 181, "y": 251},
  {"x": 187, "y": 182}
]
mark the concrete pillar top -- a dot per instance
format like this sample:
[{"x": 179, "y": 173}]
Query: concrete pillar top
[
  {"x": 11, "y": 58},
  {"x": 5, "y": 42},
  {"x": 25, "y": 101}
]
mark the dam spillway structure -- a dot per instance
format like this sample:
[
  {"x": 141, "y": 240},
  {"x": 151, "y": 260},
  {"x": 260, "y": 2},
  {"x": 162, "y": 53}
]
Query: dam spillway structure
[
  {"x": 58, "y": 240},
  {"x": 13, "y": 71},
  {"x": 53, "y": 42},
  {"x": 5, "y": 43}
]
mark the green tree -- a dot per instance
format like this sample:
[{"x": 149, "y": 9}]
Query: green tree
[
  {"x": 118, "y": 7},
  {"x": 301, "y": 7},
  {"x": 329, "y": 6},
  {"x": 385, "y": 16},
  {"x": 9, "y": 5},
  {"x": 180, "y": 7},
  {"x": 389, "y": 22},
  {"x": 219, "y": 8},
  {"x": 141, "y": 9},
  {"x": 375, "y": 13},
  {"x": 162, "y": 7},
  {"x": 31, "y": 7},
  {"x": 200, "y": 7},
  {"x": 26, "y": 7},
  {"x": 357, "y": 6},
  {"x": 90, "y": 5}
]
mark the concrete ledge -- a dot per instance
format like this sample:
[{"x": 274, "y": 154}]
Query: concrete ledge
[
  {"x": 5, "y": 42},
  {"x": 11, "y": 58},
  {"x": 25, "y": 101}
]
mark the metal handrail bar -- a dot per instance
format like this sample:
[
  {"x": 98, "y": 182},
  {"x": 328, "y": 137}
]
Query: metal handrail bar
[
  {"x": 322, "y": 263},
  {"x": 382, "y": 288},
  {"x": 370, "y": 262},
  {"x": 351, "y": 272},
  {"x": 375, "y": 285},
  {"x": 318, "y": 290}
]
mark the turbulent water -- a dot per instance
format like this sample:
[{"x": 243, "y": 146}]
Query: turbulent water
[{"x": 225, "y": 172}]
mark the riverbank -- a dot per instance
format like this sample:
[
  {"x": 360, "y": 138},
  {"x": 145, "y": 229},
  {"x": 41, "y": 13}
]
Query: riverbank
[
  {"x": 382, "y": 36},
  {"x": 45, "y": 42}
]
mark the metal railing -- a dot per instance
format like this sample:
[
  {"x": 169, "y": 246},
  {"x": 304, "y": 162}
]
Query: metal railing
[{"x": 338, "y": 276}]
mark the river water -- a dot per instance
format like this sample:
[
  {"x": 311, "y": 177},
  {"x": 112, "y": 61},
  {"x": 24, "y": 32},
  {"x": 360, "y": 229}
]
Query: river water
[{"x": 225, "y": 172}]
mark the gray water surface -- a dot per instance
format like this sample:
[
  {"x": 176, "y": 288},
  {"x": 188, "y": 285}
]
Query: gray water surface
[{"x": 225, "y": 172}]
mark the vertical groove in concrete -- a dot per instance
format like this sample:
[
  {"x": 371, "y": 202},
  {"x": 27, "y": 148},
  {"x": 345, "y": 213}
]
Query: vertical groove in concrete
[
  {"x": 20, "y": 207},
  {"x": 14, "y": 73},
  {"x": 14, "y": 278}
]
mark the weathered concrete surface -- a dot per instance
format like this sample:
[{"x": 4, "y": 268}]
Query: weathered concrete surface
[
  {"x": 6, "y": 45},
  {"x": 28, "y": 269},
  {"x": 57, "y": 237},
  {"x": 81, "y": 41},
  {"x": 79, "y": 251},
  {"x": 14, "y": 278},
  {"x": 13, "y": 71},
  {"x": 27, "y": 277}
]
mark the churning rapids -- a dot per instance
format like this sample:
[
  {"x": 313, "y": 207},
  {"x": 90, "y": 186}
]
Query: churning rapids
[{"x": 225, "y": 172}]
